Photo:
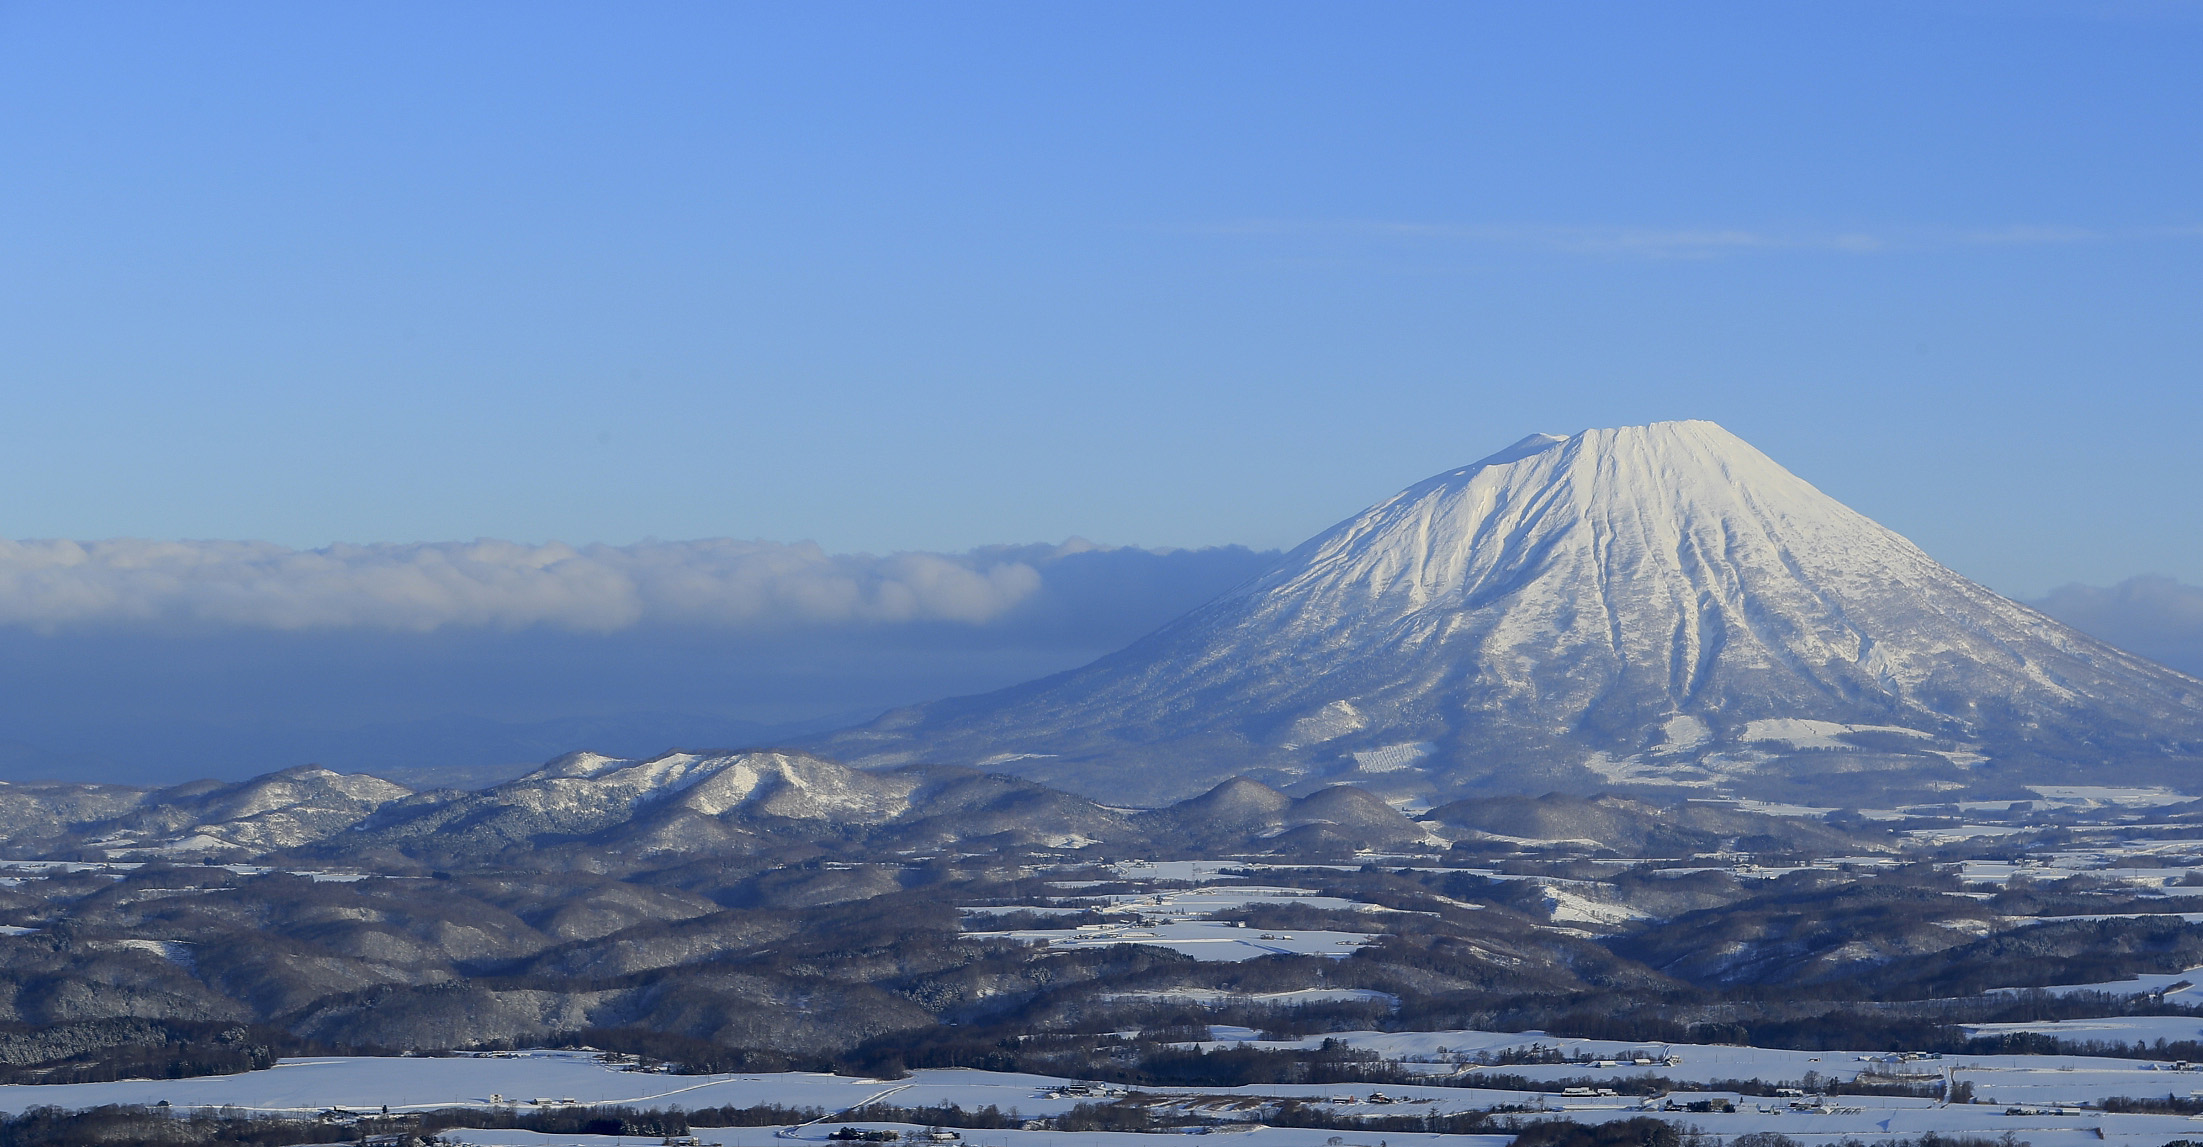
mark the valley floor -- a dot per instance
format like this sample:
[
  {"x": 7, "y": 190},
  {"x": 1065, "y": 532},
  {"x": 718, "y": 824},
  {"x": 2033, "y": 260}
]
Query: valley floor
[{"x": 2046, "y": 1100}]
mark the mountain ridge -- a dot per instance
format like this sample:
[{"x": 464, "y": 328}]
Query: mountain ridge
[{"x": 593, "y": 811}]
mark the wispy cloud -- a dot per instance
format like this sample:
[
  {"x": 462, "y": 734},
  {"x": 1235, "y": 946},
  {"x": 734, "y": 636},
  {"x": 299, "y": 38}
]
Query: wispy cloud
[
  {"x": 1694, "y": 242},
  {"x": 1649, "y": 242}
]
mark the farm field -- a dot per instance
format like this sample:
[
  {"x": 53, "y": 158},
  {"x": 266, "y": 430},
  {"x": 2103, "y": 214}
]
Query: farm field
[{"x": 2048, "y": 1099}]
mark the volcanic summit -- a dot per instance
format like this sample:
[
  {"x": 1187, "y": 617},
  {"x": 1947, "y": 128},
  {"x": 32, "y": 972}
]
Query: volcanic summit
[{"x": 1647, "y": 607}]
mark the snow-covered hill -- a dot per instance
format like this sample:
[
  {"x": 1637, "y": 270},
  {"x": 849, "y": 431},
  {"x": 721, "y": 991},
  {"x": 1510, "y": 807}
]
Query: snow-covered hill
[
  {"x": 601, "y": 811},
  {"x": 1655, "y": 606},
  {"x": 281, "y": 810}
]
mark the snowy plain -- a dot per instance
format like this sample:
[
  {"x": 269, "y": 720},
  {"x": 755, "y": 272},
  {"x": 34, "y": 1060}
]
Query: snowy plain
[
  {"x": 1183, "y": 920},
  {"x": 2035, "y": 1087}
]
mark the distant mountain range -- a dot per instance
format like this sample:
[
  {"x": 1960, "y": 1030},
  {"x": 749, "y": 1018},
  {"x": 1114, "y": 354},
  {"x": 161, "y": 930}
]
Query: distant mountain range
[
  {"x": 595, "y": 813},
  {"x": 1656, "y": 608}
]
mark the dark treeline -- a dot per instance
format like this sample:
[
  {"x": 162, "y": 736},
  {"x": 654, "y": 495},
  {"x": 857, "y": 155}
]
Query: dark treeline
[
  {"x": 686, "y": 1055},
  {"x": 164, "y": 1127},
  {"x": 989, "y": 1118},
  {"x": 2151, "y": 1105},
  {"x": 1114, "y": 1059},
  {"x": 55, "y": 1127},
  {"x": 98, "y": 1051},
  {"x": 1641, "y": 1131},
  {"x": 1295, "y": 1113},
  {"x": 1647, "y": 1132},
  {"x": 1159, "y": 1054},
  {"x": 1134, "y": 1113}
]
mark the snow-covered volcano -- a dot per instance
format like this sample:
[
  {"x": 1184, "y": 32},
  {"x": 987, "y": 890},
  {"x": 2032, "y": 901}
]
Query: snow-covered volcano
[{"x": 1651, "y": 605}]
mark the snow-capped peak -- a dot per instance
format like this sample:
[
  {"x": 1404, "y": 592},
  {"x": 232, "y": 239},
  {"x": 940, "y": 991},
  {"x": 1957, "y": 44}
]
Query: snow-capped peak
[{"x": 1615, "y": 607}]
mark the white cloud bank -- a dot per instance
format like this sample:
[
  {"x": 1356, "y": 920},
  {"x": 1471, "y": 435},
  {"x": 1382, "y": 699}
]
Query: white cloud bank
[{"x": 49, "y": 585}]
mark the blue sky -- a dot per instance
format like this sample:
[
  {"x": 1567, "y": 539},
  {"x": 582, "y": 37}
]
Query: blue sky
[
  {"x": 928, "y": 277},
  {"x": 898, "y": 277}
]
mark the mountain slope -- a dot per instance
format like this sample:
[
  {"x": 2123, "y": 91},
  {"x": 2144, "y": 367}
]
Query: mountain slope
[{"x": 1646, "y": 606}]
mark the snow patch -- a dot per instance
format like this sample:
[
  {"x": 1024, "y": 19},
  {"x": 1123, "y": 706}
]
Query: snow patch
[
  {"x": 1204, "y": 940},
  {"x": 1575, "y": 908},
  {"x": 1006, "y": 758},
  {"x": 1635, "y": 770},
  {"x": 2184, "y": 986},
  {"x": 1684, "y": 733},
  {"x": 176, "y": 952},
  {"x": 198, "y": 842},
  {"x": 1215, "y": 997},
  {"x": 1804, "y": 734},
  {"x": 1329, "y": 723},
  {"x": 2096, "y": 796},
  {"x": 1393, "y": 758}
]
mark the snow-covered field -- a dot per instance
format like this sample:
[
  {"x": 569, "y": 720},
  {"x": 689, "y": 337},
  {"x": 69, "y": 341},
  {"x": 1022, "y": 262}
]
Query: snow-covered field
[
  {"x": 367, "y": 1083},
  {"x": 2046, "y": 1130},
  {"x": 2178, "y": 987},
  {"x": 2041, "y": 1131},
  {"x": 1182, "y": 920},
  {"x": 778, "y": 1137},
  {"x": 2122, "y": 1029},
  {"x": 2003, "y": 1079},
  {"x": 1213, "y": 997},
  {"x": 1200, "y": 939},
  {"x": 2031, "y": 1083}
]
